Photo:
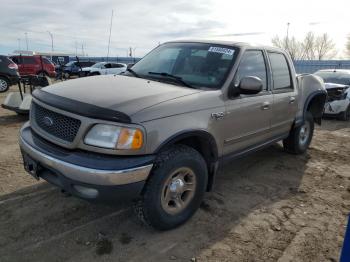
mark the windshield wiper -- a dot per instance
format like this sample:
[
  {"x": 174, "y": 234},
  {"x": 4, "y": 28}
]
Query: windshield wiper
[
  {"x": 132, "y": 72},
  {"x": 176, "y": 78}
]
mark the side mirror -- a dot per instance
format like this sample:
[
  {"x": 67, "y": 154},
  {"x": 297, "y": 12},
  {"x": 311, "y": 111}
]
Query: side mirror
[{"x": 250, "y": 85}]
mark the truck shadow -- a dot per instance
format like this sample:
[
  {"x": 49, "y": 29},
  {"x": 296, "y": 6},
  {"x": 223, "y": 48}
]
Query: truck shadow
[
  {"x": 39, "y": 222},
  {"x": 12, "y": 119}
]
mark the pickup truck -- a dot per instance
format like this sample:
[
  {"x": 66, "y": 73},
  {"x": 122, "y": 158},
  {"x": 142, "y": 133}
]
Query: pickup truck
[{"x": 160, "y": 133}]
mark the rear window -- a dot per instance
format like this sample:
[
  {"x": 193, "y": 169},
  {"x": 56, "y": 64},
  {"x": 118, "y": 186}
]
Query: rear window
[
  {"x": 280, "y": 71},
  {"x": 47, "y": 61},
  {"x": 5, "y": 60},
  {"x": 117, "y": 65}
]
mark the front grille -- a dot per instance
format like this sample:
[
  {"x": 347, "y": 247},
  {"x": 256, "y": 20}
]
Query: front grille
[{"x": 58, "y": 125}]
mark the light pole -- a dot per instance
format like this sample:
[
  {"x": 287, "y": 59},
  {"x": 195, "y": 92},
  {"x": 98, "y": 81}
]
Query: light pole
[
  {"x": 26, "y": 34},
  {"x": 287, "y": 38},
  {"x": 110, "y": 33},
  {"x": 51, "y": 35},
  {"x": 133, "y": 53},
  {"x": 19, "y": 44}
]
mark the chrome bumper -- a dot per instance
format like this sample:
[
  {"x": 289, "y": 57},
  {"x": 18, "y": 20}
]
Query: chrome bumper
[{"x": 87, "y": 175}]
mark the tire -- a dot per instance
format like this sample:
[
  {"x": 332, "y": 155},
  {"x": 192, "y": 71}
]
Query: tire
[
  {"x": 4, "y": 84},
  {"x": 94, "y": 74},
  {"x": 345, "y": 116},
  {"x": 300, "y": 137},
  {"x": 160, "y": 212}
]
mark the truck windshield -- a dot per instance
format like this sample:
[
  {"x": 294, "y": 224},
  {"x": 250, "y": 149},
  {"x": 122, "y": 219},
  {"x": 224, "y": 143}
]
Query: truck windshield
[{"x": 196, "y": 64}]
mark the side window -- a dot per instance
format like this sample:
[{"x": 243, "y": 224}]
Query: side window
[
  {"x": 118, "y": 66},
  {"x": 28, "y": 60},
  {"x": 252, "y": 64},
  {"x": 280, "y": 71}
]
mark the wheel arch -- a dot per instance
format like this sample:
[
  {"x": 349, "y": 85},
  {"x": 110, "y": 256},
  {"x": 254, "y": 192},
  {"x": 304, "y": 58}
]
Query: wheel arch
[
  {"x": 203, "y": 142},
  {"x": 315, "y": 105},
  {"x": 4, "y": 76}
]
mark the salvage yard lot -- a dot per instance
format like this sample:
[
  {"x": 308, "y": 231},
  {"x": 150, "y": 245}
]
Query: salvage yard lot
[{"x": 266, "y": 207}]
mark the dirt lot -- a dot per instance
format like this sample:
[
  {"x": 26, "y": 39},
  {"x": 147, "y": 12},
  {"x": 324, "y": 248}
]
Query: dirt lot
[{"x": 267, "y": 207}]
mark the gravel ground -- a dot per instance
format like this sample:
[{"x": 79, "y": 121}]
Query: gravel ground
[{"x": 270, "y": 206}]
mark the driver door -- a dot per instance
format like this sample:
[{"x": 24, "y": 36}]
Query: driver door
[{"x": 248, "y": 117}]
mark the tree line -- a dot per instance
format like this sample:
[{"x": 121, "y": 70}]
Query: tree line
[{"x": 312, "y": 47}]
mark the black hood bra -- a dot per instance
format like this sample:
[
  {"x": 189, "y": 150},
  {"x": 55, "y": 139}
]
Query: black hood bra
[{"x": 80, "y": 108}]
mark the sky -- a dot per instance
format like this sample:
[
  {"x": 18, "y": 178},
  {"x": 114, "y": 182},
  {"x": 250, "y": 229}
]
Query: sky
[{"x": 143, "y": 24}]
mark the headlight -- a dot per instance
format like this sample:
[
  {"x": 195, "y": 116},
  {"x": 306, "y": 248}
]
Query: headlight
[{"x": 114, "y": 137}]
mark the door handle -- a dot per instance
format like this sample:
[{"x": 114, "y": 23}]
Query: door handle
[
  {"x": 291, "y": 100},
  {"x": 265, "y": 106}
]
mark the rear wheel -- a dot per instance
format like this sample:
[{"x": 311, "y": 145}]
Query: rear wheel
[
  {"x": 175, "y": 188},
  {"x": 300, "y": 137},
  {"x": 4, "y": 84}
]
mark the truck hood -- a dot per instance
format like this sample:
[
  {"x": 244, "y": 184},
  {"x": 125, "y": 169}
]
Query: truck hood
[
  {"x": 120, "y": 93},
  {"x": 87, "y": 68},
  {"x": 335, "y": 86}
]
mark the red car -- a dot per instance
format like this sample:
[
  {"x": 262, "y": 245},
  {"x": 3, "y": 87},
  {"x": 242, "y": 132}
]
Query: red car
[{"x": 34, "y": 65}]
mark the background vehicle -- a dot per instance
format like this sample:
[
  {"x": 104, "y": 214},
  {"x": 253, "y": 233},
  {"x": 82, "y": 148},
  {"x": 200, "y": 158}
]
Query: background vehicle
[
  {"x": 338, "y": 89},
  {"x": 34, "y": 65},
  {"x": 74, "y": 68},
  {"x": 8, "y": 73},
  {"x": 105, "y": 68},
  {"x": 161, "y": 132}
]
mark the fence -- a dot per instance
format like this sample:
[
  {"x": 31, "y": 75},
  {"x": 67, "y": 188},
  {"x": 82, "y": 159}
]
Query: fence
[
  {"x": 126, "y": 60},
  {"x": 311, "y": 66}
]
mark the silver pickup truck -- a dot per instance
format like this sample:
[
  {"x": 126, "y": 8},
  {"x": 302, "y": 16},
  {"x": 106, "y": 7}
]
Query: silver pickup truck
[{"x": 160, "y": 133}]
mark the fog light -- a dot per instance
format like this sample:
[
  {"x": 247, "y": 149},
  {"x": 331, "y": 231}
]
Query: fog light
[{"x": 86, "y": 191}]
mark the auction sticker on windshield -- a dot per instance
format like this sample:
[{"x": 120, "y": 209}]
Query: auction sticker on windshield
[{"x": 222, "y": 50}]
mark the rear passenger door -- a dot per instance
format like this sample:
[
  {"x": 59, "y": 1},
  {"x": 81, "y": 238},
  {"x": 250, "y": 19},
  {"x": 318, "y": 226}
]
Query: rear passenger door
[
  {"x": 117, "y": 68},
  {"x": 106, "y": 69},
  {"x": 29, "y": 65},
  {"x": 248, "y": 116},
  {"x": 284, "y": 94}
]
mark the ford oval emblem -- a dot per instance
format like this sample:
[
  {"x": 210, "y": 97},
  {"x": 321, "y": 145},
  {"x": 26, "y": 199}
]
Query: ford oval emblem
[{"x": 48, "y": 121}]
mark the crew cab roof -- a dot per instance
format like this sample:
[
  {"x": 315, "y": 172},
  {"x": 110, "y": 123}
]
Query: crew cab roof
[{"x": 230, "y": 43}]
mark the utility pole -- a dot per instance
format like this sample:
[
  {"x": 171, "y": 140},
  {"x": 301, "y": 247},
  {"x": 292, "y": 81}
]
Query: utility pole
[
  {"x": 26, "y": 34},
  {"x": 110, "y": 33},
  {"x": 82, "y": 49},
  {"x": 51, "y": 35}
]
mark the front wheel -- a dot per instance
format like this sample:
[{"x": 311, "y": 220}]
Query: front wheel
[
  {"x": 175, "y": 188},
  {"x": 4, "y": 84},
  {"x": 300, "y": 137}
]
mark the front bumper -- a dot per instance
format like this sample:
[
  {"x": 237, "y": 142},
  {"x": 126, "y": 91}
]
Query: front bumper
[{"x": 86, "y": 175}]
